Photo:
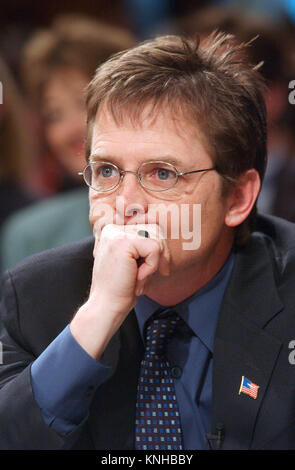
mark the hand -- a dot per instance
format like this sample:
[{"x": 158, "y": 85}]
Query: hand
[
  {"x": 124, "y": 261},
  {"x": 123, "y": 265}
]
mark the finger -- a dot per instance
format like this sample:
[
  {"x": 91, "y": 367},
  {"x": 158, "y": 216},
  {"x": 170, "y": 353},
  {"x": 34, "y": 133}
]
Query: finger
[
  {"x": 139, "y": 288},
  {"x": 149, "y": 259},
  {"x": 164, "y": 264},
  {"x": 95, "y": 247}
]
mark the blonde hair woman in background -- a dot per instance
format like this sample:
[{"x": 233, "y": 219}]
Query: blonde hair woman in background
[
  {"x": 58, "y": 63},
  {"x": 16, "y": 147}
]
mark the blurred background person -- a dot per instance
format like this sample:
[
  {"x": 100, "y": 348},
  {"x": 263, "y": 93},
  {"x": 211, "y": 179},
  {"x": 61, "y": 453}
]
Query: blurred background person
[
  {"x": 57, "y": 65},
  {"x": 284, "y": 199},
  {"x": 17, "y": 150},
  {"x": 274, "y": 11}
]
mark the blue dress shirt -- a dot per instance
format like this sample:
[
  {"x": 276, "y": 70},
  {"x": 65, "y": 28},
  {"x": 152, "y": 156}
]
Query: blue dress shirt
[{"x": 64, "y": 377}]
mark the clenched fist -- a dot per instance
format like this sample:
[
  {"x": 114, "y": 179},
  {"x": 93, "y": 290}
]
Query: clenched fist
[{"x": 124, "y": 261}]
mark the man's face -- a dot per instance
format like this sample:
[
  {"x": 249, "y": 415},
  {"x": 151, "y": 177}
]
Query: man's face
[{"x": 173, "y": 140}]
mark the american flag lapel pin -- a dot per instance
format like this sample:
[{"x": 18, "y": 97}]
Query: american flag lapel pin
[{"x": 248, "y": 387}]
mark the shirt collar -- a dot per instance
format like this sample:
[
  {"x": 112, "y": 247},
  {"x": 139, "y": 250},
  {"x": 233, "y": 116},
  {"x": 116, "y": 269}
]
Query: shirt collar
[{"x": 200, "y": 311}]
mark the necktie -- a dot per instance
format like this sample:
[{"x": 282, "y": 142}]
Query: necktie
[{"x": 157, "y": 416}]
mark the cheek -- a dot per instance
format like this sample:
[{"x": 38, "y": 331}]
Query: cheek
[
  {"x": 208, "y": 209},
  {"x": 213, "y": 220},
  {"x": 208, "y": 196},
  {"x": 102, "y": 209}
]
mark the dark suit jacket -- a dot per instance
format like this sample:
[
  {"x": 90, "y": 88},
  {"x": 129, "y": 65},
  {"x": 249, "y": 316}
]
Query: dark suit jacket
[{"x": 256, "y": 325}]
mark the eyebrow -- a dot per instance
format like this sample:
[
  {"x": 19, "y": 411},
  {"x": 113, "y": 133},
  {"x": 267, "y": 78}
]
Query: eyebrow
[{"x": 112, "y": 159}]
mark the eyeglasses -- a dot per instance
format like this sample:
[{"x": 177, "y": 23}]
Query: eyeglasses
[{"x": 154, "y": 176}]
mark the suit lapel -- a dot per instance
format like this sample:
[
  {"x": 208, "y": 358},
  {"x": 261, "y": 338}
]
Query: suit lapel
[
  {"x": 112, "y": 422},
  {"x": 242, "y": 346}
]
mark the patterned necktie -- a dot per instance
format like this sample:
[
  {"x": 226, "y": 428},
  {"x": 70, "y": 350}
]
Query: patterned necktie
[{"x": 157, "y": 416}]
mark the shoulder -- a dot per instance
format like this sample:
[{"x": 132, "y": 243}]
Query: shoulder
[
  {"x": 265, "y": 266},
  {"x": 280, "y": 232},
  {"x": 59, "y": 258},
  {"x": 41, "y": 293},
  {"x": 278, "y": 237}
]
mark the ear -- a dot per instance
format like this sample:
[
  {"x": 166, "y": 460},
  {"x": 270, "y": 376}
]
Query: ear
[{"x": 242, "y": 197}]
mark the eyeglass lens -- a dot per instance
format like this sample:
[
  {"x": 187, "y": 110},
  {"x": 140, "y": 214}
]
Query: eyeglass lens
[{"x": 104, "y": 176}]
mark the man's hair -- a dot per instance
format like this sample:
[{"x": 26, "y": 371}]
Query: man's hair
[{"x": 211, "y": 84}]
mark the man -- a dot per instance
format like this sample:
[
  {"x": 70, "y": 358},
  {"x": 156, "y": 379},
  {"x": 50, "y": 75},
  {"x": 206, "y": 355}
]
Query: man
[{"x": 160, "y": 342}]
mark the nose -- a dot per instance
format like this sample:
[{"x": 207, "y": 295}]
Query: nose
[{"x": 133, "y": 205}]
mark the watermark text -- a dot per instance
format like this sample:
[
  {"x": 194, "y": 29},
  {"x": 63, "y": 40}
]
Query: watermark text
[
  {"x": 176, "y": 221},
  {"x": 292, "y": 353},
  {"x": 292, "y": 93}
]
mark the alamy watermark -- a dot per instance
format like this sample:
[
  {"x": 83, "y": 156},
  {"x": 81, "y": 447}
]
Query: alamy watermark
[
  {"x": 1, "y": 93},
  {"x": 292, "y": 93},
  {"x": 176, "y": 221},
  {"x": 292, "y": 353},
  {"x": 1, "y": 352}
]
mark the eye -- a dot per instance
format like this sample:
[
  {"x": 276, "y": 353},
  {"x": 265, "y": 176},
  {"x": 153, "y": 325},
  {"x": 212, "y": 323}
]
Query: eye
[
  {"x": 107, "y": 171},
  {"x": 163, "y": 173},
  {"x": 157, "y": 175},
  {"x": 103, "y": 171}
]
